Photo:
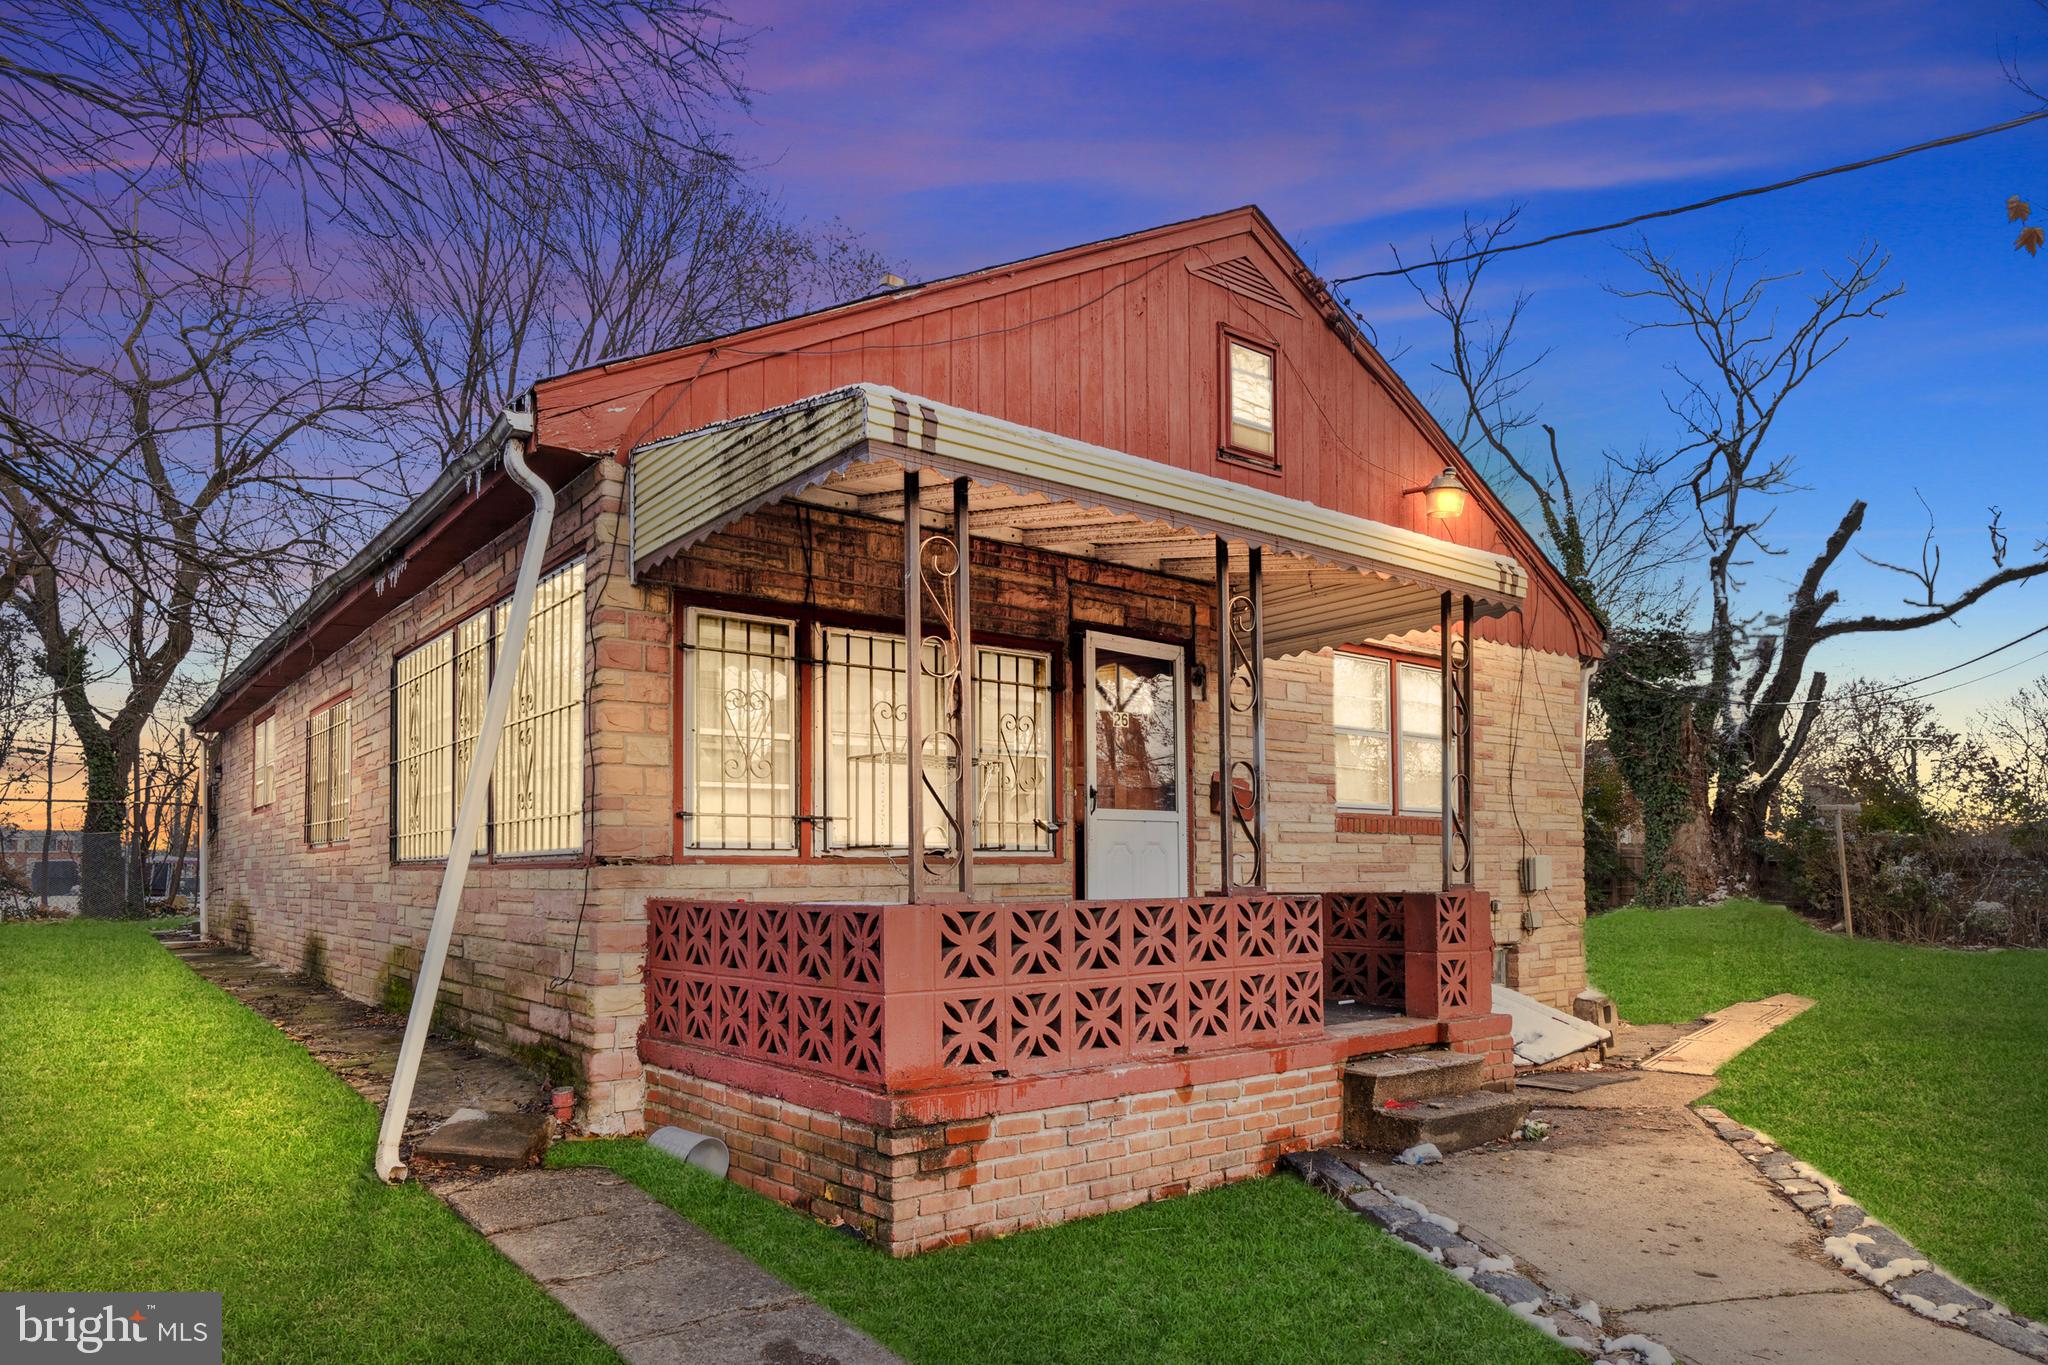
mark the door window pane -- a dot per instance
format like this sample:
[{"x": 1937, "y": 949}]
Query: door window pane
[{"x": 1136, "y": 719}]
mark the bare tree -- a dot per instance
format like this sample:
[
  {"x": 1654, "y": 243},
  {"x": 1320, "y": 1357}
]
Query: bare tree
[
  {"x": 1751, "y": 363},
  {"x": 595, "y": 263},
  {"x": 178, "y": 444},
  {"x": 1616, "y": 524},
  {"x": 98, "y": 102}
]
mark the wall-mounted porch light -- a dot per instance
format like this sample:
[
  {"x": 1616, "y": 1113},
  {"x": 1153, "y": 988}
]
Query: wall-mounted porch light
[{"x": 1444, "y": 495}]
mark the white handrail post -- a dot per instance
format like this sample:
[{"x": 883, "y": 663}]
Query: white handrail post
[{"x": 470, "y": 812}]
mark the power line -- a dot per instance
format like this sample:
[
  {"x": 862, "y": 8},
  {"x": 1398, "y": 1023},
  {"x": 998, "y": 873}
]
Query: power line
[{"x": 1867, "y": 162}]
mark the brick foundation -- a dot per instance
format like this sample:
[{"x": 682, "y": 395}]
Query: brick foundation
[{"x": 911, "y": 1189}]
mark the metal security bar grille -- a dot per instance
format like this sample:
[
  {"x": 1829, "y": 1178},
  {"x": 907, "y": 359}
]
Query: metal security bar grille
[
  {"x": 861, "y": 698},
  {"x": 1013, "y": 748},
  {"x": 864, "y": 708},
  {"x": 472, "y": 686},
  {"x": 327, "y": 736},
  {"x": 422, "y": 711},
  {"x": 537, "y": 785},
  {"x": 742, "y": 757}
]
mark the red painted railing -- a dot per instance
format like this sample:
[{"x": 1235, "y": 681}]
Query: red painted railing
[
  {"x": 1426, "y": 953},
  {"x": 908, "y": 995}
]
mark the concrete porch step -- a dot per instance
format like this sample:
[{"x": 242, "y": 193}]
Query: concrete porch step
[
  {"x": 1452, "y": 1122},
  {"x": 1411, "y": 1076}
]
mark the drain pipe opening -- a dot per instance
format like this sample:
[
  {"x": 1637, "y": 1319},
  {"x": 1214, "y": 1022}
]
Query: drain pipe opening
[{"x": 518, "y": 428}]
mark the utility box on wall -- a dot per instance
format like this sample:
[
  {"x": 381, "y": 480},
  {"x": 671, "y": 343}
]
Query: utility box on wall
[{"x": 1535, "y": 873}]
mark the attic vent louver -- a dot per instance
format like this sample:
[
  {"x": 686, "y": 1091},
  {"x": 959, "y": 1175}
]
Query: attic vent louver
[{"x": 1240, "y": 276}]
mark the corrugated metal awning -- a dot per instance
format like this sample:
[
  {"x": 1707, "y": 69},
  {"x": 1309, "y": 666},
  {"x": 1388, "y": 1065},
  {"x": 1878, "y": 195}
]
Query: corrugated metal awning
[{"x": 1331, "y": 578}]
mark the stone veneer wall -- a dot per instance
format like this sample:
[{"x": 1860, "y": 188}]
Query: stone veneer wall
[{"x": 547, "y": 954}]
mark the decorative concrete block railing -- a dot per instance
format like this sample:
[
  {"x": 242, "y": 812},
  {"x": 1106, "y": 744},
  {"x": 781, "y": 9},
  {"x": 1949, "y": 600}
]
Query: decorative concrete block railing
[
  {"x": 910, "y": 996},
  {"x": 1428, "y": 954}
]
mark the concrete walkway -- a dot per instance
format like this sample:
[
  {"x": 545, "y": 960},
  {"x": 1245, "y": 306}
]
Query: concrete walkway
[
  {"x": 658, "y": 1288},
  {"x": 1635, "y": 1204},
  {"x": 360, "y": 1044}
]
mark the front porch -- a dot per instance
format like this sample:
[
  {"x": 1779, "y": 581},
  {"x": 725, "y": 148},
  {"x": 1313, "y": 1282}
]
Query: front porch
[{"x": 1043, "y": 1016}]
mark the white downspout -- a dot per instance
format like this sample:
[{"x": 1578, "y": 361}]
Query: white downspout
[
  {"x": 470, "y": 812},
  {"x": 205, "y": 809}
]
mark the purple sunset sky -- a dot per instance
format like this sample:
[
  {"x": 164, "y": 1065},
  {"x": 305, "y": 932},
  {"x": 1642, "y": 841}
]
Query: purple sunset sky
[{"x": 956, "y": 136}]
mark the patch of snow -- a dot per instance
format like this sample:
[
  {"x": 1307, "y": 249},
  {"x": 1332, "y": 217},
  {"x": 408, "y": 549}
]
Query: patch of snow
[
  {"x": 1463, "y": 1272},
  {"x": 1421, "y": 1210},
  {"x": 1496, "y": 1263},
  {"x": 1421, "y": 1154},
  {"x": 1927, "y": 1308},
  {"x": 1650, "y": 1352},
  {"x": 1590, "y": 1311}
]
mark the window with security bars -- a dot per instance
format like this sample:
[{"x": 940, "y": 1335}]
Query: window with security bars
[
  {"x": 327, "y": 736},
  {"x": 537, "y": 782},
  {"x": 1389, "y": 722},
  {"x": 742, "y": 701},
  {"x": 472, "y": 686},
  {"x": 863, "y": 720},
  {"x": 422, "y": 748},
  {"x": 1013, "y": 748}
]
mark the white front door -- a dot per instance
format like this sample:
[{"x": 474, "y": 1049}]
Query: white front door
[{"x": 1137, "y": 769}]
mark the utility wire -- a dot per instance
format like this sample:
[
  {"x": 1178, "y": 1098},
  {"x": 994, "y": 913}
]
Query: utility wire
[{"x": 1843, "y": 169}]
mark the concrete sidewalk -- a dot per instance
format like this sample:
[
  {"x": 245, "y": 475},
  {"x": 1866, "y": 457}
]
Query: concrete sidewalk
[
  {"x": 659, "y": 1289},
  {"x": 1634, "y": 1203}
]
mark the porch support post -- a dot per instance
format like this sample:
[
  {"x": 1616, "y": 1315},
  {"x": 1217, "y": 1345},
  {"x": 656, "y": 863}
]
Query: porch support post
[
  {"x": 1257, "y": 592},
  {"x": 1468, "y": 703},
  {"x": 1444, "y": 679},
  {"x": 1222, "y": 685},
  {"x": 913, "y": 673},
  {"x": 966, "y": 798}
]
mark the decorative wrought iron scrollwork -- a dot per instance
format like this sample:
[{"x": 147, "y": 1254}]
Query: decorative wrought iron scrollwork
[
  {"x": 938, "y": 567},
  {"x": 1246, "y": 694},
  {"x": 1457, "y": 753},
  {"x": 750, "y": 733},
  {"x": 1246, "y": 676}
]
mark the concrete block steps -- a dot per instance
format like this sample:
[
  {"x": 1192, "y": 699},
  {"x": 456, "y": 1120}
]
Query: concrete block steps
[
  {"x": 1392, "y": 1103},
  {"x": 1452, "y": 1122}
]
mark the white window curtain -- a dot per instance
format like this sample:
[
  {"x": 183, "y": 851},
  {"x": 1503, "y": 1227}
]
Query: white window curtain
[
  {"x": 537, "y": 783},
  {"x": 1365, "y": 780},
  {"x": 423, "y": 725},
  {"x": 327, "y": 784},
  {"x": 742, "y": 744}
]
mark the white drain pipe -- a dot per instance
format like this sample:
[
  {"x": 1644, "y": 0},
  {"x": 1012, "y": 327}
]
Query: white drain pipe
[{"x": 470, "y": 813}]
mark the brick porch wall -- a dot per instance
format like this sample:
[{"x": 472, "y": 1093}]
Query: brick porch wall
[{"x": 913, "y": 1189}]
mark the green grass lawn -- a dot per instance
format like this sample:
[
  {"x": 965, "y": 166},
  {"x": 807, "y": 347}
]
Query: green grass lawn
[
  {"x": 1919, "y": 1080},
  {"x": 1268, "y": 1270},
  {"x": 156, "y": 1135}
]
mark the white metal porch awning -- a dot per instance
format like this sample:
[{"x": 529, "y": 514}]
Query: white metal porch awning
[{"x": 1330, "y": 578}]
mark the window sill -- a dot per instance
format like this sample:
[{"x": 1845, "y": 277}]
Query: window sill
[
  {"x": 1245, "y": 459},
  {"x": 1366, "y": 822}
]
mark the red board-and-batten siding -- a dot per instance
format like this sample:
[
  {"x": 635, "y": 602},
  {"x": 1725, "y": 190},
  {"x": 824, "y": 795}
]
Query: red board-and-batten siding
[{"x": 1118, "y": 344}]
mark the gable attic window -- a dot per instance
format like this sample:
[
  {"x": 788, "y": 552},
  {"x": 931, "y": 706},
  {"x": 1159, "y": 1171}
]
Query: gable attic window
[{"x": 1248, "y": 401}]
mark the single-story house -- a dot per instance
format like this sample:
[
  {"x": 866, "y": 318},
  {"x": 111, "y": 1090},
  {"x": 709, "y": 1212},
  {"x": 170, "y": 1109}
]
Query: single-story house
[{"x": 993, "y": 751}]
